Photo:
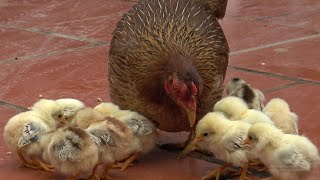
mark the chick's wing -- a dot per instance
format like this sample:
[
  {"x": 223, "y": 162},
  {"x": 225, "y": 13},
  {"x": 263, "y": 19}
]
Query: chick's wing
[
  {"x": 32, "y": 132},
  {"x": 290, "y": 158}
]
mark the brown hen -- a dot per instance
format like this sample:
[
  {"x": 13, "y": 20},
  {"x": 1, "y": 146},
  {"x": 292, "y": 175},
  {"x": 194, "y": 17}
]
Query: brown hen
[{"x": 168, "y": 60}]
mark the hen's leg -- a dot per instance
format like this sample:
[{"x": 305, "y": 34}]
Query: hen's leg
[{"x": 24, "y": 162}]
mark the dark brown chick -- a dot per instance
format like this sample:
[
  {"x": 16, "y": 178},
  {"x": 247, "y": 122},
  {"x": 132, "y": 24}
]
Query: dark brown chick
[{"x": 168, "y": 61}]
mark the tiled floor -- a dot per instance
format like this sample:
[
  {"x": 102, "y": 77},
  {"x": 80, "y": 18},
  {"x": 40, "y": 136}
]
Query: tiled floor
[{"x": 60, "y": 49}]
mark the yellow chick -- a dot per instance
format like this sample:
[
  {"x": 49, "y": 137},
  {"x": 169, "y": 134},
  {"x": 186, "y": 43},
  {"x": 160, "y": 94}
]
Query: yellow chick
[
  {"x": 236, "y": 109},
  {"x": 287, "y": 156},
  {"x": 239, "y": 88},
  {"x": 23, "y": 131},
  {"x": 71, "y": 151},
  {"x": 116, "y": 143},
  {"x": 84, "y": 117},
  {"x": 142, "y": 127},
  {"x": 70, "y": 107},
  {"x": 224, "y": 138},
  {"x": 279, "y": 112}
]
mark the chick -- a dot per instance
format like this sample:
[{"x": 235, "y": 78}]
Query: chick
[
  {"x": 279, "y": 112},
  {"x": 84, "y": 117},
  {"x": 71, "y": 151},
  {"x": 239, "y": 88},
  {"x": 142, "y": 127},
  {"x": 223, "y": 138},
  {"x": 24, "y": 130},
  {"x": 236, "y": 109},
  {"x": 287, "y": 156},
  {"x": 116, "y": 143},
  {"x": 70, "y": 107}
]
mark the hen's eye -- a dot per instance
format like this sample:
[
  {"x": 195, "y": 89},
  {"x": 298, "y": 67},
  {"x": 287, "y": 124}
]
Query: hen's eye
[{"x": 205, "y": 134}]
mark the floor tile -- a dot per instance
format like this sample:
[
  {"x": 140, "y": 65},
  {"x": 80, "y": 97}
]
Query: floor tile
[
  {"x": 16, "y": 43},
  {"x": 300, "y": 60},
  {"x": 242, "y": 34},
  {"x": 267, "y": 9},
  {"x": 305, "y": 19},
  {"x": 81, "y": 74},
  {"x": 40, "y": 13}
]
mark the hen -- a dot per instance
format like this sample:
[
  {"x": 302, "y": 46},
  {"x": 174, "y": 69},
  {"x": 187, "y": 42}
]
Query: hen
[{"x": 168, "y": 61}]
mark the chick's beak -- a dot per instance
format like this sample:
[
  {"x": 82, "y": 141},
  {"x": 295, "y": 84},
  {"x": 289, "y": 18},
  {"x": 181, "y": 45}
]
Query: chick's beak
[{"x": 247, "y": 141}]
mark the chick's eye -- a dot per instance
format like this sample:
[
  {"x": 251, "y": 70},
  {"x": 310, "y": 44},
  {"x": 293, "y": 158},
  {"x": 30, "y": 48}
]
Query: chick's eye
[
  {"x": 60, "y": 115},
  {"x": 205, "y": 134},
  {"x": 250, "y": 137}
]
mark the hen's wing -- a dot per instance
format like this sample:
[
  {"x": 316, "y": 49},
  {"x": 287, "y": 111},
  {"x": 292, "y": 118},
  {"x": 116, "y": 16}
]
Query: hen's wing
[{"x": 32, "y": 132}]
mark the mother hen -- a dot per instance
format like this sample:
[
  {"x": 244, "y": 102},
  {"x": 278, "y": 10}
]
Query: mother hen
[{"x": 168, "y": 60}]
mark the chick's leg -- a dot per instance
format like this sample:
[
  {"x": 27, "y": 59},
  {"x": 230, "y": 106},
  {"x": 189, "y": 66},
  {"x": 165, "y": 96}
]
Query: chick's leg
[
  {"x": 24, "y": 161},
  {"x": 244, "y": 170},
  {"x": 127, "y": 163},
  {"x": 215, "y": 173},
  {"x": 94, "y": 173},
  {"x": 105, "y": 172},
  {"x": 40, "y": 165},
  {"x": 74, "y": 177}
]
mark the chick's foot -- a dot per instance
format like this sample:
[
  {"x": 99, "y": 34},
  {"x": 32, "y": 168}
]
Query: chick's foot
[{"x": 127, "y": 163}]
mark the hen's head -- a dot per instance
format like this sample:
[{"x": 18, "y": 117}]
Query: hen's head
[{"x": 184, "y": 85}]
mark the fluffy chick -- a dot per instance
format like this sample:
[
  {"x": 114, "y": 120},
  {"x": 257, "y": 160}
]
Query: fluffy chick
[
  {"x": 71, "y": 151},
  {"x": 236, "y": 109},
  {"x": 116, "y": 143},
  {"x": 142, "y": 127},
  {"x": 24, "y": 130},
  {"x": 287, "y": 156},
  {"x": 70, "y": 107},
  {"x": 239, "y": 88},
  {"x": 84, "y": 117},
  {"x": 279, "y": 112},
  {"x": 224, "y": 138}
]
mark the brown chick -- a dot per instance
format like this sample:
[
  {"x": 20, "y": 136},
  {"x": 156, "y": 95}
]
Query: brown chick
[
  {"x": 84, "y": 117},
  {"x": 23, "y": 131},
  {"x": 279, "y": 112},
  {"x": 252, "y": 96},
  {"x": 116, "y": 143},
  {"x": 71, "y": 151},
  {"x": 171, "y": 57},
  {"x": 142, "y": 128}
]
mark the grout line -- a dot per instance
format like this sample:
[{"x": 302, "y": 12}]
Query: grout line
[
  {"x": 13, "y": 106},
  {"x": 41, "y": 31},
  {"x": 51, "y": 53},
  {"x": 274, "y": 75},
  {"x": 281, "y": 87},
  {"x": 314, "y": 36}
]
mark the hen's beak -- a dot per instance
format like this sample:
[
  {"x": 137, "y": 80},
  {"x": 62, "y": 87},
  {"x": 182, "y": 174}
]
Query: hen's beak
[
  {"x": 191, "y": 116},
  {"x": 190, "y": 147},
  {"x": 247, "y": 141}
]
